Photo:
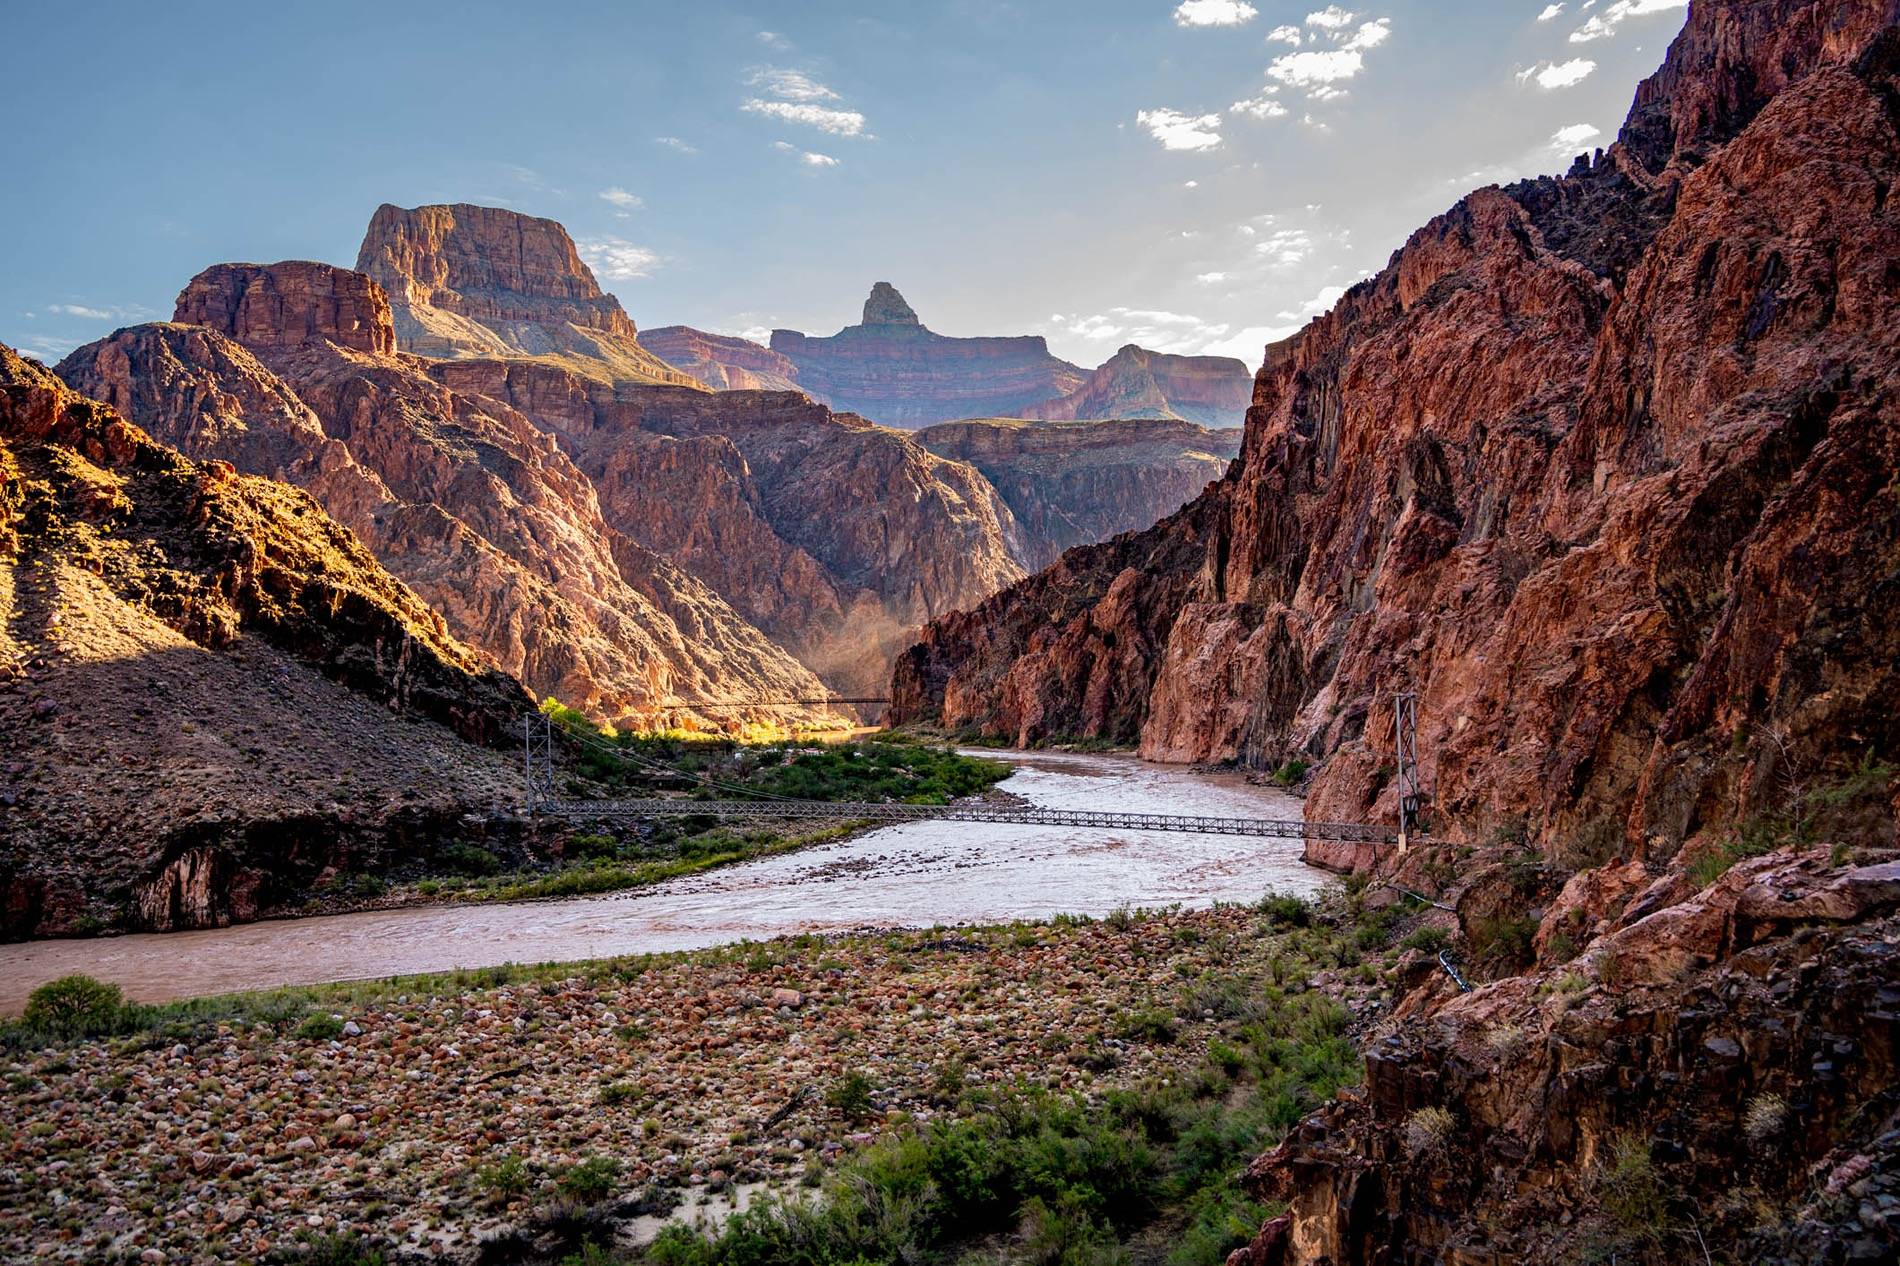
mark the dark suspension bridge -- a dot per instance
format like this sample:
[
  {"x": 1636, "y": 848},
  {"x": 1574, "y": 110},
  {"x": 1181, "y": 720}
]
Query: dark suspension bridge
[{"x": 538, "y": 764}]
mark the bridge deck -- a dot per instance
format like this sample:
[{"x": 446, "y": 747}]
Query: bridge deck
[{"x": 1275, "y": 828}]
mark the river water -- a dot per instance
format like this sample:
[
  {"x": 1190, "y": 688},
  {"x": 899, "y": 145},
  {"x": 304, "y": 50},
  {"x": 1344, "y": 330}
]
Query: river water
[{"x": 917, "y": 875}]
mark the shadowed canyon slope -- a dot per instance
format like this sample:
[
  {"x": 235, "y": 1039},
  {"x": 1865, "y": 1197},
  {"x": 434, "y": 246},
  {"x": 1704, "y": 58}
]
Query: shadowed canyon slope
[
  {"x": 220, "y": 693},
  {"x": 471, "y": 281},
  {"x": 1601, "y": 465},
  {"x": 893, "y": 370},
  {"x": 286, "y": 371},
  {"x": 723, "y": 362},
  {"x": 1072, "y": 483}
]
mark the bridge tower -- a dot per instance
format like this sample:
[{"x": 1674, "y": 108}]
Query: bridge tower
[
  {"x": 537, "y": 756},
  {"x": 1405, "y": 743}
]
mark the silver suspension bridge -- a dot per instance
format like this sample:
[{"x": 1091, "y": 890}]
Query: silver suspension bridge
[{"x": 538, "y": 765}]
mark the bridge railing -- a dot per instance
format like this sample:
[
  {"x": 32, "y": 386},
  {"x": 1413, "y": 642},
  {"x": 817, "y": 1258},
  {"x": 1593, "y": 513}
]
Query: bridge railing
[{"x": 875, "y": 811}]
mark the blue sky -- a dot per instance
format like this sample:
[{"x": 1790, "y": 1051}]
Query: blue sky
[{"x": 1196, "y": 176}]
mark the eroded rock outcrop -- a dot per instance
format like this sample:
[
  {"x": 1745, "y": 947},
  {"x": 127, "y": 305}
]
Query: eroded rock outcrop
[
  {"x": 478, "y": 281},
  {"x": 1601, "y": 465},
  {"x": 723, "y": 362},
  {"x": 1213, "y": 391},
  {"x": 894, "y": 370},
  {"x": 837, "y": 537},
  {"x": 220, "y": 695},
  {"x": 465, "y": 498},
  {"x": 1073, "y": 483}
]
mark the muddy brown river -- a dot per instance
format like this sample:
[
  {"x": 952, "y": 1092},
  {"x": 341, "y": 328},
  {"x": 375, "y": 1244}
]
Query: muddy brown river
[{"x": 915, "y": 875}]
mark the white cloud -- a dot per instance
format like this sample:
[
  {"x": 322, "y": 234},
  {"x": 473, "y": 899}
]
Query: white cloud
[
  {"x": 1262, "y": 107},
  {"x": 1155, "y": 329},
  {"x": 1283, "y": 248},
  {"x": 110, "y": 312},
  {"x": 1305, "y": 70},
  {"x": 811, "y": 159},
  {"x": 1565, "y": 140},
  {"x": 1331, "y": 18},
  {"x": 1181, "y": 131},
  {"x": 1558, "y": 74},
  {"x": 790, "y": 85},
  {"x": 1604, "y": 24},
  {"x": 1213, "y": 13},
  {"x": 1286, "y": 35},
  {"x": 824, "y": 118},
  {"x": 1371, "y": 34},
  {"x": 79, "y": 310},
  {"x": 1210, "y": 279},
  {"x": 1321, "y": 302},
  {"x": 772, "y": 39},
  {"x": 1550, "y": 11},
  {"x": 1192, "y": 184},
  {"x": 675, "y": 143},
  {"x": 622, "y": 198},
  {"x": 617, "y": 259}
]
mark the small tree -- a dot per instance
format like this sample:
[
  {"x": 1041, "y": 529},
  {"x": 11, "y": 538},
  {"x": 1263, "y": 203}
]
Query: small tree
[{"x": 75, "y": 1006}]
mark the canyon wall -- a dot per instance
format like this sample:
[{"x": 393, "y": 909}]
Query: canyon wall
[
  {"x": 1213, "y": 391},
  {"x": 221, "y": 697},
  {"x": 467, "y": 280},
  {"x": 1073, "y": 483},
  {"x": 462, "y": 496},
  {"x": 721, "y": 361},
  {"x": 1601, "y": 465},
  {"x": 893, "y": 370}
]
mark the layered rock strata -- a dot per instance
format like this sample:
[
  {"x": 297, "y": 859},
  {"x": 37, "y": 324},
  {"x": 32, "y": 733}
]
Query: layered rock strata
[
  {"x": 1213, "y": 391},
  {"x": 723, "y": 362},
  {"x": 217, "y": 695},
  {"x": 1073, "y": 483},
  {"x": 894, "y": 370},
  {"x": 1601, "y": 466}
]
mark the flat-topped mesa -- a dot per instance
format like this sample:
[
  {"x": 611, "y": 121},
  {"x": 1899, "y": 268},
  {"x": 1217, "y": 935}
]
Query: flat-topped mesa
[
  {"x": 468, "y": 281},
  {"x": 894, "y": 370},
  {"x": 885, "y": 306},
  {"x": 289, "y": 303}
]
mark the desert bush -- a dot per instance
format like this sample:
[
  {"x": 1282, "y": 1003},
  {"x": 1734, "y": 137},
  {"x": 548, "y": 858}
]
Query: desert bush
[
  {"x": 1766, "y": 1115},
  {"x": 75, "y": 1006},
  {"x": 506, "y": 1177},
  {"x": 1428, "y": 1130},
  {"x": 321, "y": 1027},
  {"x": 850, "y": 1096},
  {"x": 589, "y": 1181},
  {"x": 1631, "y": 1191}
]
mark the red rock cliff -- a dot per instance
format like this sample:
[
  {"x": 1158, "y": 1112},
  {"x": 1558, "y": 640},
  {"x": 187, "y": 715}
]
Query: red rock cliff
[
  {"x": 483, "y": 281},
  {"x": 1601, "y": 465},
  {"x": 1137, "y": 383},
  {"x": 721, "y": 361}
]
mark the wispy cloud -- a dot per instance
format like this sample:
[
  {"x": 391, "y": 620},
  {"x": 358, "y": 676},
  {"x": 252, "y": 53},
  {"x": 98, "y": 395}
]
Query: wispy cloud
[
  {"x": 1284, "y": 248},
  {"x": 794, "y": 96},
  {"x": 621, "y": 199},
  {"x": 1566, "y": 140},
  {"x": 1287, "y": 35},
  {"x": 824, "y": 118},
  {"x": 1602, "y": 25},
  {"x": 100, "y": 312},
  {"x": 1213, "y": 13},
  {"x": 1152, "y": 328},
  {"x": 1179, "y": 131},
  {"x": 1261, "y": 107},
  {"x": 1558, "y": 74},
  {"x": 808, "y": 157},
  {"x": 1550, "y": 11},
  {"x": 617, "y": 259},
  {"x": 773, "y": 40},
  {"x": 676, "y": 144},
  {"x": 1331, "y": 18},
  {"x": 790, "y": 85}
]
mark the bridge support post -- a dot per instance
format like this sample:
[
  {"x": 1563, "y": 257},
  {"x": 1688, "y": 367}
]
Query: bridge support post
[{"x": 537, "y": 760}]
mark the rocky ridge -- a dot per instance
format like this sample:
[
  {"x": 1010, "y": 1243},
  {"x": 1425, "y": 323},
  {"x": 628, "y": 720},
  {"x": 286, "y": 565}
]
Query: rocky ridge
[
  {"x": 894, "y": 370},
  {"x": 1213, "y": 391},
  {"x": 1631, "y": 568},
  {"x": 466, "y": 499},
  {"x": 472, "y": 281},
  {"x": 226, "y": 698},
  {"x": 723, "y": 362},
  {"x": 1074, "y": 483}
]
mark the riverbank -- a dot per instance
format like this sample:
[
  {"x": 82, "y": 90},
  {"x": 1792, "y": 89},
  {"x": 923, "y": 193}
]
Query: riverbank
[{"x": 428, "y": 1114}]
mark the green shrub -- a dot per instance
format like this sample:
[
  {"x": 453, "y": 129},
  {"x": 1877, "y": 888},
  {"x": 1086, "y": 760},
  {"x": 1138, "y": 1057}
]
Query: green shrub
[
  {"x": 1145, "y": 1024},
  {"x": 336, "y": 1250},
  {"x": 1429, "y": 939},
  {"x": 75, "y": 1006},
  {"x": 1288, "y": 911},
  {"x": 589, "y": 1181},
  {"x": 1290, "y": 773},
  {"x": 1632, "y": 1191},
  {"x": 468, "y": 860},
  {"x": 850, "y": 1096},
  {"x": 321, "y": 1027},
  {"x": 506, "y": 1177},
  {"x": 619, "y": 1092},
  {"x": 1505, "y": 938}
]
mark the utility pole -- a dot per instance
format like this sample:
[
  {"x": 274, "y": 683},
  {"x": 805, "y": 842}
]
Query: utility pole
[{"x": 1405, "y": 743}]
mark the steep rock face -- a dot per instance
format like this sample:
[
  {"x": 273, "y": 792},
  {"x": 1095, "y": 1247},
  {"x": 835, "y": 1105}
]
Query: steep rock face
[
  {"x": 1213, "y": 391},
  {"x": 894, "y": 370},
  {"x": 216, "y": 695},
  {"x": 483, "y": 281},
  {"x": 837, "y": 537},
  {"x": 1073, "y": 483},
  {"x": 287, "y": 304},
  {"x": 1738, "y": 1042},
  {"x": 463, "y": 497},
  {"x": 723, "y": 362},
  {"x": 1602, "y": 466}
]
